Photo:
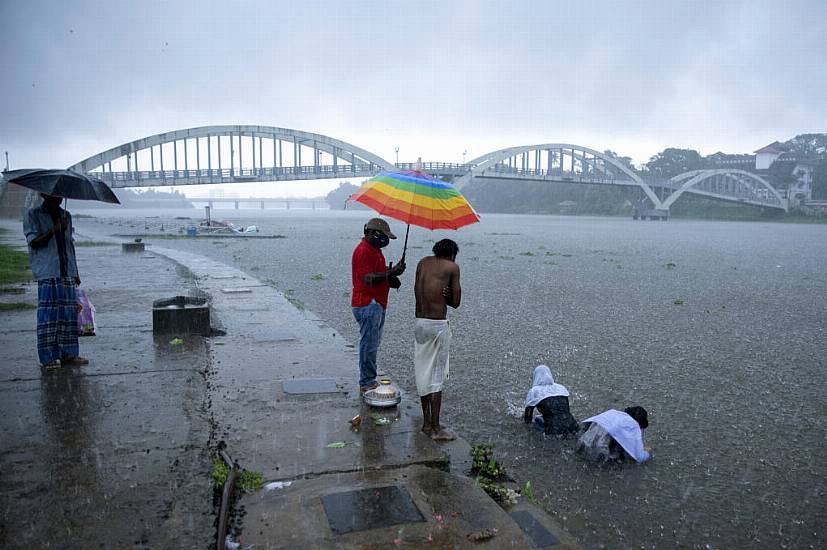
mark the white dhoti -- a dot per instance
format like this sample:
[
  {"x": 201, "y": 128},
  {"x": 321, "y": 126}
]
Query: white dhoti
[{"x": 432, "y": 340}]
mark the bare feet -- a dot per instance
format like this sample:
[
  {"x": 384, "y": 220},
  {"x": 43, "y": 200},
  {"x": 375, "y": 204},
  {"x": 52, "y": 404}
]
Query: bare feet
[
  {"x": 443, "y": 435},
  {"x": 51, "y": 365},
  {"x": 371, "y": 387},
  {"x": 427, "y": 429},
  {"x": 76, "y": 361}
]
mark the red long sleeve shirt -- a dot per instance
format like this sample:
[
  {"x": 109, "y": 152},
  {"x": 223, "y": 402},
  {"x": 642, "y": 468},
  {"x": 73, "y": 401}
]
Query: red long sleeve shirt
[{"x": 368, "y": 259}]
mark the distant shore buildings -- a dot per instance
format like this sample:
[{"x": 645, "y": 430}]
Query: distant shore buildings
[{"x": 790, "y": 172}]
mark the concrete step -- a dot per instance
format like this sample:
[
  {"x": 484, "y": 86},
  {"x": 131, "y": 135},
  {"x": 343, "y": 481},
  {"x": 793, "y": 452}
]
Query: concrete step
[{"x": 412, "y": 507}]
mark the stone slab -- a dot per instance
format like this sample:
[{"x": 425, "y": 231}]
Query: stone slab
[
  {"x": 533, "y": 529},
  {"x": 453, "y": 507},
  {"x": 377, "y": 507}
]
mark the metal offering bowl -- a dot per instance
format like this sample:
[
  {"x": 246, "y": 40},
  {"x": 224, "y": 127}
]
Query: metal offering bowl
[{"x": 385, "y": 395}]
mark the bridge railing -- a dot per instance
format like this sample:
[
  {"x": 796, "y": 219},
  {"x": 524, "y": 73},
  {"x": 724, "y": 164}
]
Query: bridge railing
[
  {"x": 436, "y": 167},
  {"x": 229, "y": 175},
  {"x": 560, "y": 175}
]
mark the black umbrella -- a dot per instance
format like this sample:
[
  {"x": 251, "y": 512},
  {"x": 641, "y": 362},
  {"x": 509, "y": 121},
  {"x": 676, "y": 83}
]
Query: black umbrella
[{"x": 62, "y": 183}]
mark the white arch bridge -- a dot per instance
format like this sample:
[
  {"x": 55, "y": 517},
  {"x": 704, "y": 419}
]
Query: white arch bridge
[{"x": 227, "y": 154}]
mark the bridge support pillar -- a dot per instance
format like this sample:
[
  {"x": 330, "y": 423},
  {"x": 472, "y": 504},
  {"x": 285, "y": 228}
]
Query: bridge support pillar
[
  {"x": 262, "y": 205},
  {"x": 236, "y": 205},
  {"x": 653, "y": 214}
]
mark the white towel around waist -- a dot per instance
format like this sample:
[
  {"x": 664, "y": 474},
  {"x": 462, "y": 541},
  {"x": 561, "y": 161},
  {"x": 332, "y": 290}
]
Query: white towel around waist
[{"x": 432, "y": 340}]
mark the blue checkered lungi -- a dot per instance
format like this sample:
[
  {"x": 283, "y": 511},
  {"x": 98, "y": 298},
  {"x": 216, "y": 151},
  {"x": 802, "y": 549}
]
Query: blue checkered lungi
[{"x": 57, "y": 319}]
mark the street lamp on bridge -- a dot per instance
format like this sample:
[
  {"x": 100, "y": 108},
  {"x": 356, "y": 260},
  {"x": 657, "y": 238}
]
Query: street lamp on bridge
[
  {"x": 396, "y": 150},
  {"x": 463, "y": 155}
]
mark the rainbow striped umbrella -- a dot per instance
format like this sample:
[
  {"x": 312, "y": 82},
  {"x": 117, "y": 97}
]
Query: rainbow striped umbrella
[{"x": 414, "y": 197}]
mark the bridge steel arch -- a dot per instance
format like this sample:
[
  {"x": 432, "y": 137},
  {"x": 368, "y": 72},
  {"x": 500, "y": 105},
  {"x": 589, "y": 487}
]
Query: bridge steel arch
[
  {"x": 727, "y": 184},
  {"x": 347, "y": 159},
  {"x": 585, "y": 165}
]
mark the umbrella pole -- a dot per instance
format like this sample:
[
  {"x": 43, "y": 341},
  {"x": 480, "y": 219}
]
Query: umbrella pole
[{"x": 405, "y": 248}]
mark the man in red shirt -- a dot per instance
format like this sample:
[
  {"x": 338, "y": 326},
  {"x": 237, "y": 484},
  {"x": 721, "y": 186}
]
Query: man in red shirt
[{"x": 372, "y": 279}]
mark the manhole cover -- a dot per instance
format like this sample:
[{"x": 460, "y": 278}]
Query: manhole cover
[
  {"x": 533, "y": 529},
  {"x": 309, "y": 385},
  {"x": 366, "y": 509}
]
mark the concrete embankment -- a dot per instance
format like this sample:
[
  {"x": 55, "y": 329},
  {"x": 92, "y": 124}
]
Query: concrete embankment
[{"x": 119, "y": 452}]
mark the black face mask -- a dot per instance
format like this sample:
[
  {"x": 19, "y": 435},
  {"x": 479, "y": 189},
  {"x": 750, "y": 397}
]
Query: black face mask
[{"x": 379, "y": 240}]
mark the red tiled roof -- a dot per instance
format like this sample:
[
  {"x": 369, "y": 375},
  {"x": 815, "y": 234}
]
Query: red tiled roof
[{"x": 774, "y": 147}]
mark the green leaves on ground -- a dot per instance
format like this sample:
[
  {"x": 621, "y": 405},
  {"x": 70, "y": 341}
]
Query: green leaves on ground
[
  {"x": 337, "y": 445},
  {"x": 528, "y": 492},
  {"x": 488, "y": 471},
  {"x": 219, "y": 473},
  {"x": 248, "y": 481},
  {"x": 484, "y": 464}
]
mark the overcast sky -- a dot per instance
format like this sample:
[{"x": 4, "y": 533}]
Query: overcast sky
[{"x": 432, "y": 78}]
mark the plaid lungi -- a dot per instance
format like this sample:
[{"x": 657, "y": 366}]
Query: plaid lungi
[{"x": 57, "y": 319}]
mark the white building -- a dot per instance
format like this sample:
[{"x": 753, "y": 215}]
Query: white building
[{"x": 765, "y": 156}]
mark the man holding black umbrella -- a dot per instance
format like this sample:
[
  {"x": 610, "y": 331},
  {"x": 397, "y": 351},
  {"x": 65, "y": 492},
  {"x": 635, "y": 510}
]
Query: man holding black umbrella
[{"x": 48, "y": 230}]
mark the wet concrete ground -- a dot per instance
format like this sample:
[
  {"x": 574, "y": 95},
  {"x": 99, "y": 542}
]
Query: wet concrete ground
[
  {"x": 118, "y": 453},
  {"x": 112, "y": 454}
]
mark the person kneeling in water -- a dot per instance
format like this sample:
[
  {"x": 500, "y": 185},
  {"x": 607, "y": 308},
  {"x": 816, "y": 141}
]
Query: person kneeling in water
[
  {"x": 615, "y": 436},
  {"x": 552, "y": 400}
]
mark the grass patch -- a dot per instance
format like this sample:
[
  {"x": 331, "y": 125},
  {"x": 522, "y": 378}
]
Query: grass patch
[
  {"x": 16, "y": 306},
  {"x": 488, "y": 472},
  {"x": 14, "y": 266},
  {"x": 528, "y": 492},
  {"x": 483, "y": 463},
  {"x": 12, "y": 290},
  {"x": 247, "y": 480},
  {"x": 250, "y": 481},
  {"x": 529, "y": 253},
  {"x": 679, "y": 302},
  {"x": 219, "y": 473},
  {"x": 81, "y": 244},
  {"x": 317, "y": 277}
]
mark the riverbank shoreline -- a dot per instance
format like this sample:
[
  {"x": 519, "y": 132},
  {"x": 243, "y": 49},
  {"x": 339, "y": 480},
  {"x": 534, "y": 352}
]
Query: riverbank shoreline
[{"x": 302, "y": 443}]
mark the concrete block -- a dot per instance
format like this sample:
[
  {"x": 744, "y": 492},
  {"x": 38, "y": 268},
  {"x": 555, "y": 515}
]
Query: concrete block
[
  {"x": 132, "y": 247},
  {"x": 181, "y": 315}
]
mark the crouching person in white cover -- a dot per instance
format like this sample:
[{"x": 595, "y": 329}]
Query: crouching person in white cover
[
  {"x": 615, "y": 436},
  {"x": 436, "y": 287}
]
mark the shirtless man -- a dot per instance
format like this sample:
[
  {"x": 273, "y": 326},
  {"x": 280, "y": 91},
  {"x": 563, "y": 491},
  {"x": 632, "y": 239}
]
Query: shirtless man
[{"x": 436, "y": 288}]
